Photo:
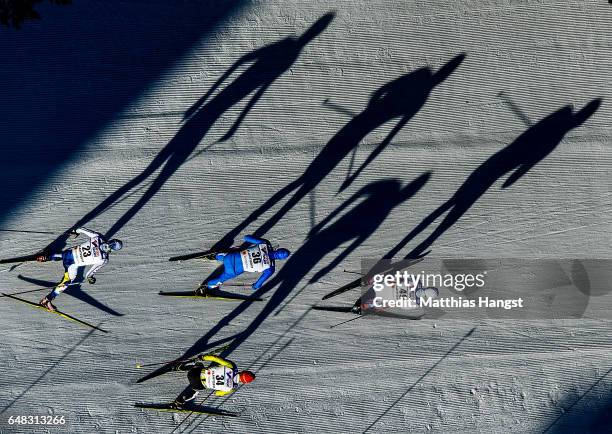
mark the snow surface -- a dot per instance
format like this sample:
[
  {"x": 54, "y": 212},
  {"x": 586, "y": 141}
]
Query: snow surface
[{"x": 94, "y": 92}]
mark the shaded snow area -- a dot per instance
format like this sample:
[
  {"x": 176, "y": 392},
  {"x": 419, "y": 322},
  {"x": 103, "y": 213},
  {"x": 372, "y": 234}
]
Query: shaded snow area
[{"x": 341, "y": 131}]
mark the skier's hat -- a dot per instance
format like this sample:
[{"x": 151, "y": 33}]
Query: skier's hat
[
  {"x": 112, "y": 245},
  {"x": 280, "y": 253},
  {"x": 245, "y": 377}
]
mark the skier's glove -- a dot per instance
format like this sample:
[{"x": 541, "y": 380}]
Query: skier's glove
[{"x": 91, "y": 280}]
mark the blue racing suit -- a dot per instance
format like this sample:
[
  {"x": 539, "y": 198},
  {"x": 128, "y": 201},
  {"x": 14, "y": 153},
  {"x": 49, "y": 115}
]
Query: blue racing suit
[{"x": 257, "y": 258}]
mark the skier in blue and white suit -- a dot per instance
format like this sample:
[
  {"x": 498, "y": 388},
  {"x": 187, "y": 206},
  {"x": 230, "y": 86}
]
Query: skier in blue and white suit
[
  {"x": 257, "y": 258},
  {"x": 93, "y": 253}
]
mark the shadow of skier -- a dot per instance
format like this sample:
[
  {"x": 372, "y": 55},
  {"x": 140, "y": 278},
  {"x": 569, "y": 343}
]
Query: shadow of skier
[
  {"x": 519, "y": 157},
  {"x": 370, "y": 207},
  {"x": 74, "y": 291},
  {"x": 402, "y": 98},
  {"x": 267, "y": 64}
]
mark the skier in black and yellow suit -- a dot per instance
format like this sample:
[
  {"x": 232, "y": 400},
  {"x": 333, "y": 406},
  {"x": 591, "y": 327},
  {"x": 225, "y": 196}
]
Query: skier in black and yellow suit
[{"x": 220, "y": 375}]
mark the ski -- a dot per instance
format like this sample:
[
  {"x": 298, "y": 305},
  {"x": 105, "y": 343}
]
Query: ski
[
  {"x": 206, "y": 254},
  {"x": 169, "y": 366},
  {"x": 26, "y": 292},
  {"x": 26, "y": 258},
  {"x": 344, "y": 309},
  {"x": 363, "y": 280},
  {"x": 192, "y": 408},
  {"x": 57, "y": 312},
  {"x": 215, "y": 296}
]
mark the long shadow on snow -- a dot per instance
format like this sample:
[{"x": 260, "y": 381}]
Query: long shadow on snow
[
  {"x": 519, "y": 157},
  {"x": 37, "y": 380},
  {"x": 425, "y": 374},
  {"x": 67, "y": 76},
  {"x": 267, "y": 64},
  {"x": 401, "y": 98},
  {"x": 371, "y": 206},
  {"x": 74, "y": 291}
]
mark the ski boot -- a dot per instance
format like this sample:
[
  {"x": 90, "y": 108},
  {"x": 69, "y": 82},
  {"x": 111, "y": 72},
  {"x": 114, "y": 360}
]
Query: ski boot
[
  {"x": 177, "y": 404},
  {"x": 210, "y": 257},
  {"x": 202, "y": 290},
  {"x": 183, "y": 399},
  {"x": 46, "y": 303}
]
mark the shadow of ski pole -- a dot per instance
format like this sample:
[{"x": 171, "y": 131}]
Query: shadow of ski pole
[
  {"x": 88, "y": 334},
  {"x": 468, "y": 334}
]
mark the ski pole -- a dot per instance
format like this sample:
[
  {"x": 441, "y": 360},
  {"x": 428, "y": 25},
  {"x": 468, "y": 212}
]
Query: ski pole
[
  {"x": 344, "y": 322},
  {"x": 216, "y": 350},
  {"x": 515, "y": 109},
  {"x": 11, "y": 268},
  {"x": 338, "y": 108},
  {"x": 140, "y": 365},
  {"x": 352, "y": 272},
  {"x": 28, "y": 232},
  {"x": 25, "y": 292}
]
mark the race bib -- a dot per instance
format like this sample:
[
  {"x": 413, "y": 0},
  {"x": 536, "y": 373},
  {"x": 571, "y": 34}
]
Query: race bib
[
  {"x": 89, "y": 253},
  {"x": 256, "y": 258},
  {"x": 219, "y": 378},
  {"x": 392, "y": 291}
]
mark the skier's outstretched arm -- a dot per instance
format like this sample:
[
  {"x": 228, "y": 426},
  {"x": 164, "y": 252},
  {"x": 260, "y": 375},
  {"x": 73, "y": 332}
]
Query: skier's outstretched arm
[
  {"x": 219, "y": 360},
  {"x": 94, "y": 269},
  {"x": 264, "y": 276},
  {"x": 88, "y": 232}
]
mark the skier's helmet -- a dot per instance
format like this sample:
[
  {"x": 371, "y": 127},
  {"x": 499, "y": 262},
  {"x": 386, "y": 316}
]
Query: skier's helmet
[
  {"x": 281, "y": 254},
  {"x": 113, "y": 245},
  {"x": 426, "y": 293},
  {"x": 245, "y": 377}
]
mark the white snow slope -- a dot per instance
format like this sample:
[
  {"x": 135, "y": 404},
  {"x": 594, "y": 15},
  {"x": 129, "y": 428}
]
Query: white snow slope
[{"x": 370, "y": 375}]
